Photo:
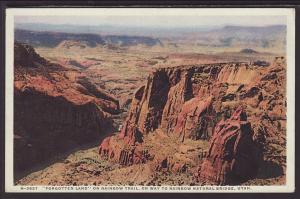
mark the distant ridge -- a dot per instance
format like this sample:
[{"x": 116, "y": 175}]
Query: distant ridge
[
  {"x": 263, "y": 38},
  {"x": 53, "y": 39},
  {"x": 138, "y": 30},
  {"x": 248, "y": 51}
]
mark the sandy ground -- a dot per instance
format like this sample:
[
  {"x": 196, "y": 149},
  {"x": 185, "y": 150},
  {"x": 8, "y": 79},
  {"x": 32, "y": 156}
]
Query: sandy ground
[{"x": 86, "y": 167}]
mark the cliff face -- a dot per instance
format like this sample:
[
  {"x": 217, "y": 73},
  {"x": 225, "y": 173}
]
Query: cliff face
[
  {"x": 55, "y": 109},
  {"x": 184, "y": 104},
  {"x": 180, "y": 100},
  {"x": 232, "y": 155},
  {"x": 169, "y": 96}
]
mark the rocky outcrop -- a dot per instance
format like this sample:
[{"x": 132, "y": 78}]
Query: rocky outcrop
[
  {"x": 232, "y": 155},
  {"x": 55, "y": 109},
  {"x": 116, "y": 150},
  {"x": 170, "y": 95},
  {"x": 189, "y": 106},
  {"x": 173, "y": 101},
  {"x": 26, "y": 56}
]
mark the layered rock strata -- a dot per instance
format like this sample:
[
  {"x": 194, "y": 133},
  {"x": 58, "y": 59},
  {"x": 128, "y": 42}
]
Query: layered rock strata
[
  {"x": 55, "y": 109},
  {"x": 232, "y": 155},
  {"x": 202, "y": 103}
]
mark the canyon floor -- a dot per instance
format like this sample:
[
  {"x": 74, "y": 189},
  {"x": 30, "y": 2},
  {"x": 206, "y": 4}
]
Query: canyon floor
[
  {"x": 122, "y": 72},
  {"x": 85, "y": 167}
]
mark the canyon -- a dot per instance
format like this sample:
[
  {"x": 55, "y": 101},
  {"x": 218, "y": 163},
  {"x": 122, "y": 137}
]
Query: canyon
[
  {"x": 135, "y": 111},
  {"x": 55, "y": 108}
]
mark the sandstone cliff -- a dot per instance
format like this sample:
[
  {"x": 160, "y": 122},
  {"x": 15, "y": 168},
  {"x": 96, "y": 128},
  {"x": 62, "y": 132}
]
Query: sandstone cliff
[
  {"x": 55, "y": 109},
  {"x": 190, "y": 117},
  {"x": 232, "y": 155}
]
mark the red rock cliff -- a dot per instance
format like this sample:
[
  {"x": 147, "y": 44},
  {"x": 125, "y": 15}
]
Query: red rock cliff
[
  {"x": 170, "y": 95},
  {"x": 202, "y": 102},
  {"x": 232, "y": 155},
  {"x": 55, "y": 109}
]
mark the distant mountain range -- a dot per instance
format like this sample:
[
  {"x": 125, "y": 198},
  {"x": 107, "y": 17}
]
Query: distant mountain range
[
  {"x": 266, "y": 37},
  {"x": 246, "y": 36},
  {"x": 247, "y": 33},
  {"x": 113, "y": 30},
  {"x": 53, "y": 39}
]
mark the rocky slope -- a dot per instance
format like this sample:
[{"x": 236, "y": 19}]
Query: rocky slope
[
  {"x": 55, "y": 109},
  {"x": 222, "y": 123}
]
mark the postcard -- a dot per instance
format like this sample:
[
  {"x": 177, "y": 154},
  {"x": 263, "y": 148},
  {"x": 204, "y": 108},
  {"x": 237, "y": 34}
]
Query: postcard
[{"x": 191, "y": 100}]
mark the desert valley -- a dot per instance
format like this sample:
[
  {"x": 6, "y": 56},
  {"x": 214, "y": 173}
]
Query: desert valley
[{"x": 193, "y": 107}]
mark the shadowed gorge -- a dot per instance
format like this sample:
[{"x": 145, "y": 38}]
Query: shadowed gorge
[{"x": 53, "y": 112}]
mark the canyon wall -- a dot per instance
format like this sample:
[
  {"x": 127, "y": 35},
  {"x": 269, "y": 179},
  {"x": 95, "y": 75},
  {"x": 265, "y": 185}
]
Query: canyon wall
[
  {"x": 55, "y": 109},
  {"x": 205, "y": 102},
  {"x": 232, "y": 156}
]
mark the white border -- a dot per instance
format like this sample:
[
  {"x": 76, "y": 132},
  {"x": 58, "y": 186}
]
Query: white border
[
  {"x": 288, "y": 12},
  {"x": 150, "y": 11}
]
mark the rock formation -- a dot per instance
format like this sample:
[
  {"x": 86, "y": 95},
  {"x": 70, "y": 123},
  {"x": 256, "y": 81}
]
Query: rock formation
[
  {"x": 168, "y": 97},
  {"x": 232, "y": 155},
  {"x": 188, "y": 117},
  {"x": 55, "y": 109}
]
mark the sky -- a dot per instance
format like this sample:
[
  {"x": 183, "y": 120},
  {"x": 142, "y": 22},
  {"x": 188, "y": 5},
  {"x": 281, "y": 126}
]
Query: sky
[{"x": 155, "y": 20}]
